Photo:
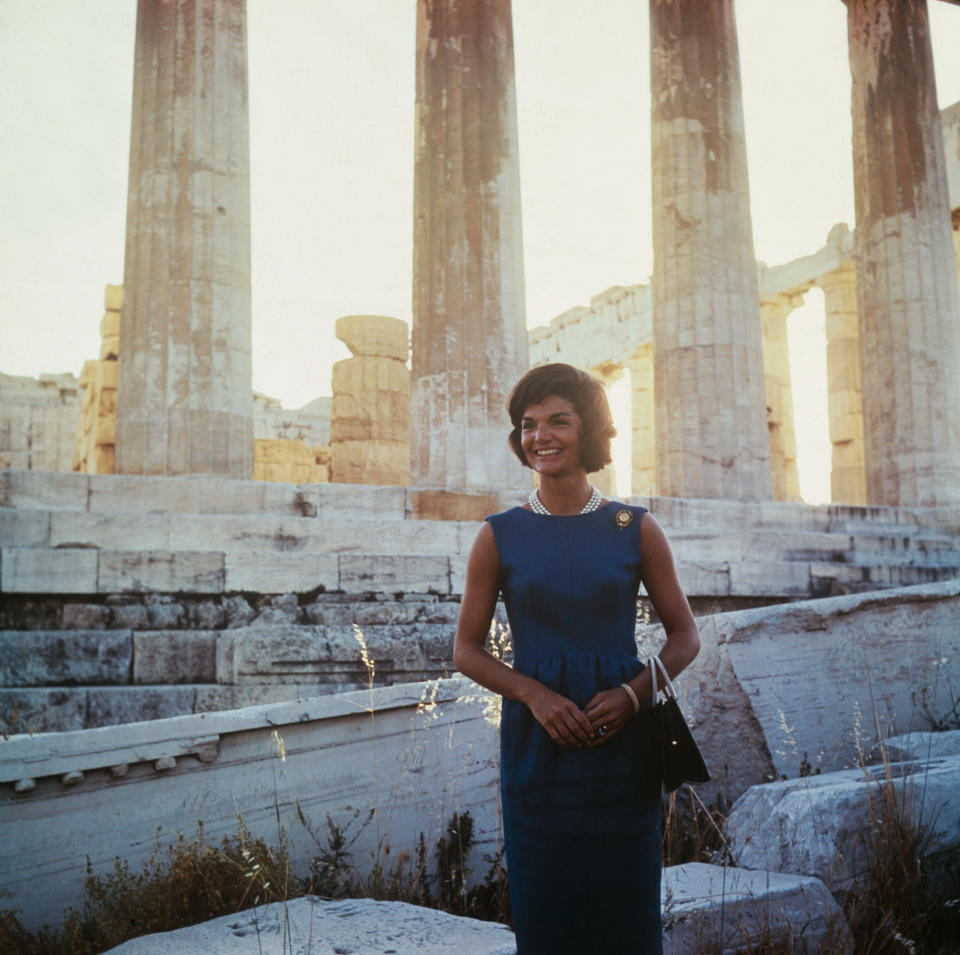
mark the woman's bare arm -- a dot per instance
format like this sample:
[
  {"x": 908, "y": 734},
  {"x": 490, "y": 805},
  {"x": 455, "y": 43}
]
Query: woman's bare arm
[
  {"x": 614, "y": 708},
  {"x": 561, "y": 718}
]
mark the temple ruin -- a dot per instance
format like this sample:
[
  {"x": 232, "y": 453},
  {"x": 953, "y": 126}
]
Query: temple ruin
[{"x": 177, "y": 549}]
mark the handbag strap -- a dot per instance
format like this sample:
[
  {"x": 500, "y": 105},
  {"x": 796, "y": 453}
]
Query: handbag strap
[{"x": 668, "y": 690}]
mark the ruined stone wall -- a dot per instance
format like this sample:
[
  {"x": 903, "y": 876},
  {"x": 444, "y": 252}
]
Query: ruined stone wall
[
  {"x": 370, "y": 413},
  {"x": 95, "y": 450},
  {"x": 38, "y": 422}
]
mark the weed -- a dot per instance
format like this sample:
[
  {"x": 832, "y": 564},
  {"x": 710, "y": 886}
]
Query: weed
[{"x": 191, "y": 881}]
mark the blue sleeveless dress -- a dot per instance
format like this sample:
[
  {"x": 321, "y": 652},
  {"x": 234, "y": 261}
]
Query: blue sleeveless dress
[{"x": 581, "y": 826}]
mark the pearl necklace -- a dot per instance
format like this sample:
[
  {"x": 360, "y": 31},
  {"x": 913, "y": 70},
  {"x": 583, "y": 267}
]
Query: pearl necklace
[{"x": 537, "y": 506}]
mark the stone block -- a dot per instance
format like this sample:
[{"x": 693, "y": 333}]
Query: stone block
[
  {"x": 344, "y": 925},
  {"x": 374, "y": 335},
  {"x": 174, "y": 656},
  {"x": 814, "y": 683},
  {"x": 128, "y": 492},
  {"x": 368, "y": 376},
  {"x": 353, "y": 502},
  {"x": 281, "y": 572},
  {"x": 368, "y": 462},
  {"x": 47, "y": 571},
  {"x": 770, "y": 579},
  {"x": 923, "y": 746},
  {"x": 360, "y": 573},
  {"x": 107, "y": 375},
  {"x": 43, "y": 710},
  {"x": 436, "y": 505},
  {"x": 211, "y": 699},
  {"x": 110, "y": 348},
  {"x": 821, "y": 825},
  {"x": 85, "y": 616},
  {"x": 707, "y": 908},
  {"x": 24, "y": 528},
  {"x": 111, "y": 706},
  {"x": 162, "y": 571},
  {"x": 113, "y": 531},
  {"x": 110, "y": 324},
  {"x": 64, "y": 657},
  {"x": 703, "y": 578},
  {"x": 113, "y": 298},
  {"x": 28, "y": 490}
]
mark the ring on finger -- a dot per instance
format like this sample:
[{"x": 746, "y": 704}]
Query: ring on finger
[{"x": 603, "y": 730}]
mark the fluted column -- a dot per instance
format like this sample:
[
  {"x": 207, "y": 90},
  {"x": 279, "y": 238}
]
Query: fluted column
[
  {"x": 711, "y": 428},
  {"x": 844, "y": 399},
  {"x": 184, "y": 403},
  {"x": 906, "y": 269},
  {"x": 774, "y": 310},
  {"x": 643, "y": 479},
  {"x": 469, "y": 325}
]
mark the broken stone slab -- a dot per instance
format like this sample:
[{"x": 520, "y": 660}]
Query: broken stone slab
[
  {"x": 923, "y": 745},
  {"x": 778, "y": 688},
  {"x": 820, "y": 825},
  {"x": 322, "y": 927},
  {"x": 60, "y": 657},
  {"x": 713, "y": 908}
]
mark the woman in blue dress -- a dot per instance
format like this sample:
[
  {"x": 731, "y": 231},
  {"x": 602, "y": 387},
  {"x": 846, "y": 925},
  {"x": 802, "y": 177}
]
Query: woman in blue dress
[{"x": 579, "y": 787}]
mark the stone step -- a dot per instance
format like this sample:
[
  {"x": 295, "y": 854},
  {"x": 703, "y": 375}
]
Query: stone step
[
  {"x": 207, "y": 494},
  {"x": 193, "y": 612},
  {"x": 84, "y": 570},
  {"x": 69, "y": 570},
  {"x": 228, "y": 533},
  {"x": 264, "y": 653},
  {"x": 203, "y": 494}
]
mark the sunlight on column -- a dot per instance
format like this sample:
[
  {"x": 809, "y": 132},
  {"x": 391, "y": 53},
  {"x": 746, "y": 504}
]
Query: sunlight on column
[
  {"x": 807, "y": 341},
  {"x": 618, "y": 394}
]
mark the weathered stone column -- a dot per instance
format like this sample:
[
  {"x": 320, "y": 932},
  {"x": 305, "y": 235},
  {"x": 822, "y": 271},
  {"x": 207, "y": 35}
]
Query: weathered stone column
[
  {"x": 774, "y": 310},
  {"x": 711, "y": 427},
  {"x": 184, "y": 404},
  {"x": 469, "y": 326},
  {"x": 369, "y": 438},
  {"x": 906, "y": 269},
  {"x": 844, "y": 403},
  {"x": 643, "y": 472}
]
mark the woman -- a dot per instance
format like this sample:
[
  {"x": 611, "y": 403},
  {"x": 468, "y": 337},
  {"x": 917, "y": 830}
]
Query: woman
[{"x": 580, "y": 794}]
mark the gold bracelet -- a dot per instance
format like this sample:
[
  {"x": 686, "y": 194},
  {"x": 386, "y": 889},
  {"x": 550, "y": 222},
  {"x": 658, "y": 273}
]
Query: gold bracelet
[{"x": 633, "y": 697}]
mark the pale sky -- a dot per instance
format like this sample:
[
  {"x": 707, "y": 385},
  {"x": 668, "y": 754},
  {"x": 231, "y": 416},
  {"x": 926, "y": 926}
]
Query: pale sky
[{"x": 331, "y": 119}]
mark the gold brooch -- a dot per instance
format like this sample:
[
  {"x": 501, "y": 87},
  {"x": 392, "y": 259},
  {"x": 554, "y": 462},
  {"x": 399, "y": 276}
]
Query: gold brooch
[{"x": 623, "y": 518}]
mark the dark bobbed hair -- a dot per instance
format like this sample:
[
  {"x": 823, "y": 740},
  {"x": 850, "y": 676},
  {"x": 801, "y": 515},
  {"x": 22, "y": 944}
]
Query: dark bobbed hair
[{"x": 588, "y": 398}]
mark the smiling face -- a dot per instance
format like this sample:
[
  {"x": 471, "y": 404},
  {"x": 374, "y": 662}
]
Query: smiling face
[{"x": 550, "y": 436}]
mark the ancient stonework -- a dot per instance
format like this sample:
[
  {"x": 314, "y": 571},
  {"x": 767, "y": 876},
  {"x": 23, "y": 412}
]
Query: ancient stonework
[
  {"x": 370, "y": 411},
  {"x": 844, "y": 383},
  {"x": 711, "y": 426},
  {"x": 906, "y": 267},
  {"x": 184, "y": 403},
  {"x": 38, "y": 422},
  {"x": 94, "y": 452},
  {"x": 469, "y": 325},
  {"x": 774, "y": 310}
]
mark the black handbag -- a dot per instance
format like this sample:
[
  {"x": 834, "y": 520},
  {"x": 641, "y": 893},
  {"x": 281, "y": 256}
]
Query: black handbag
[{"x": 679, "y": 757}]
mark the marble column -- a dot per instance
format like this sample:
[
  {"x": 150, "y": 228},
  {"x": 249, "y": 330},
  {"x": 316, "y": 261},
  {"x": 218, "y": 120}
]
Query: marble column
[
  {"x": 184, "y": 403},
  {"x": 782, "y": 435},
  {"x": 711, "y": 427},
  {"x": 844, "y": 402},
  {"x": 643, "y": 471},
  {"x": 469, "y": 324},
  {"x": 906, "y": 269}
]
